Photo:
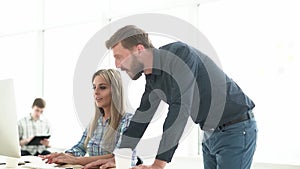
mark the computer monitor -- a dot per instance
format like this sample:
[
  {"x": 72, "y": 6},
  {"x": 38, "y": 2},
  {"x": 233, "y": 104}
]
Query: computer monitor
[{"x": 9, "y": 139}]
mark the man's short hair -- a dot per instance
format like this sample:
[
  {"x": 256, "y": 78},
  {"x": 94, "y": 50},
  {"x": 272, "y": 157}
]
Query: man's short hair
[
  {"x": 129, "y": 36},
  {"x": 39, "y": 102}
]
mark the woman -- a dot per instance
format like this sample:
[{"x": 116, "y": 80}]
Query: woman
[{"x": 103, "y": 134}]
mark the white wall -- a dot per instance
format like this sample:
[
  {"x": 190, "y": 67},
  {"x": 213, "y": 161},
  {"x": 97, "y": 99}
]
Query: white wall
[
  {"x": 258, "y": 44},
  {"x": 62, "y": 48},
  {"x": 20, "y": 57},
  {"x": 21, "y": 61},
  {"x": 256, "y": 41}
]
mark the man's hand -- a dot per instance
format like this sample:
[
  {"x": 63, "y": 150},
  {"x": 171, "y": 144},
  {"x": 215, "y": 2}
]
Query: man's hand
[
  {"x": 101, "y": 163},
  {"x": 147, "y": 167},
  {"x": 158, "y": 164},
  {"x": 45, "y": 142},
  {"x": 29, "y": 139},
  {"x": 25, "y": 141}
]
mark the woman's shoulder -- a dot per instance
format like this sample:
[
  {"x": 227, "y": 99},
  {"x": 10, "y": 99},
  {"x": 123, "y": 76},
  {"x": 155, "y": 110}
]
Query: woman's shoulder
[
  {"x": 125, "y": 120},
  {"x": 127, "y": 116}
]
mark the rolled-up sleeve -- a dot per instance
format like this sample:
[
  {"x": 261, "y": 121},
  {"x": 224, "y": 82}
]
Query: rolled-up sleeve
[
  {"x": 123, "y": 126},
  {"x": 79, "y": 149}
]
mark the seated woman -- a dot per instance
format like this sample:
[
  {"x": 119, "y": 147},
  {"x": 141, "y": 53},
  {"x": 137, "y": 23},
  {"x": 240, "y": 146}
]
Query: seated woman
[{"x": 104, "y": 132}]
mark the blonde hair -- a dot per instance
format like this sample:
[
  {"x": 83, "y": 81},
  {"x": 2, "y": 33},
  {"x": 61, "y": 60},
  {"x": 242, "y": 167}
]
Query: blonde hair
[{"x": 117, "y": 109}]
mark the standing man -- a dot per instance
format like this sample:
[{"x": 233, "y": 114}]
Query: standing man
[
  {"x": 34, "y": 125},
  {"x": 193, "y": 86}
]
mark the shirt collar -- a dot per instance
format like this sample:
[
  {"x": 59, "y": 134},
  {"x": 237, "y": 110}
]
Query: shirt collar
[
  {"x": 30, "y": 118},
  {"x": 101, "y": 119},
  {"x": 156, "y": 69}
]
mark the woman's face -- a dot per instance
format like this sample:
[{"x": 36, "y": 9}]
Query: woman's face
[{"x": 102, "y": 92}]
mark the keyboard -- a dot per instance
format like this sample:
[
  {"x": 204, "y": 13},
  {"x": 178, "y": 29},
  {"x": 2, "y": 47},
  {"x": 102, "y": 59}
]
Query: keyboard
[{"x": 39, "y": 166}]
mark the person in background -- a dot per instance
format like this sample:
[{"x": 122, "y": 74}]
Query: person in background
[
  {"x": 34, "y": 125},
  {"x": 105, "y": 130}
]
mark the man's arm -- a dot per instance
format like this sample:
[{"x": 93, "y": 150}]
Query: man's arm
[
  {"x": 173, "y": 128},
  {"x": 46, "y": 142},
  {"x": 20, "y": 130},
  {"x": 158, "y": 164},
  {"x": 22, "y": 141},
  {"x": 184, "y": 95},
  {"x": 140, "y": 119}
]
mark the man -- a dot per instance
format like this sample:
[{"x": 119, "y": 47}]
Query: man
[
  {"x": 34, "y": 125},
  {"x": 193, "y": 86}
]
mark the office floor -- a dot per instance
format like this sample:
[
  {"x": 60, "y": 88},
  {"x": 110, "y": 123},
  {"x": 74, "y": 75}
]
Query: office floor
[
  {"x": 273, "y": 166},
  {"x": 196, "y": 163}
]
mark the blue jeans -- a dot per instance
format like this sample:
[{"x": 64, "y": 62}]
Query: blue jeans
[{"x": 231, "y": 147}]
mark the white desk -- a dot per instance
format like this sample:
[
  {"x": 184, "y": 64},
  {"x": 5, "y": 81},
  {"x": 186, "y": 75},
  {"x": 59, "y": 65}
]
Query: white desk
[{"x": 38, "y": 161}]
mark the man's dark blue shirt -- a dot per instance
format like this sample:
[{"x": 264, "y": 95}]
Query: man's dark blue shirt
[{"x": 193, "y": 86}]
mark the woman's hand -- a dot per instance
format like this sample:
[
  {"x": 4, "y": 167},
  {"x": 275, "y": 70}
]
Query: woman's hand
[
  {"x": 59, "y": 158},
  {"x": 48, "y": 158},
  {"x": 101, "y": 163},
  {"x": 64, "y": 158}
]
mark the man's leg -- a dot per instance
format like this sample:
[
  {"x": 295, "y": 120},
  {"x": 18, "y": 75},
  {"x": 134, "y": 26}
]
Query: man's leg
[
  {"x": 25, "y": 153},
  {"x": 209, "y": 159},
  {"x": 236, "y": 145},
  {"x": 45, "y": 152}
]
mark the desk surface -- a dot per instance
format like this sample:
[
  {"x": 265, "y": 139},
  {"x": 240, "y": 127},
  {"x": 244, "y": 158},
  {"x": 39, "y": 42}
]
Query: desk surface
[{"x": 38, "y": 161}]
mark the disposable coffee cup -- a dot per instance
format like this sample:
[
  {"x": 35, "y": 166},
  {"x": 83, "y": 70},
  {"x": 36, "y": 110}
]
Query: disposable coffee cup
[
  {"x": 123, "y": 158},
  {"x": 11, "y": 162}
]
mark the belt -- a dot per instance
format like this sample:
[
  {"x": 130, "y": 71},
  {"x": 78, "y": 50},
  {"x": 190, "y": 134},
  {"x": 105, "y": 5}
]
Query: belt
[{"x": 243, "y": 117}]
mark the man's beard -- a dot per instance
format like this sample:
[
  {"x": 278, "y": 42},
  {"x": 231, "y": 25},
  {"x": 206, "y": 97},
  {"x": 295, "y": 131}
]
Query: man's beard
[
  {"x": 136, "y": 67},
  {"x": 136, "y": 76}
]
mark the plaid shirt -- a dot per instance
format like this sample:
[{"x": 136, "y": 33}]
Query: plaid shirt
[
  {"x": 28, "y": 127},
  {"x": 94, "y": 147}
]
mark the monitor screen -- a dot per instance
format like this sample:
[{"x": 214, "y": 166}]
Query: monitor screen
[{"x": 9, "y": 140}]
